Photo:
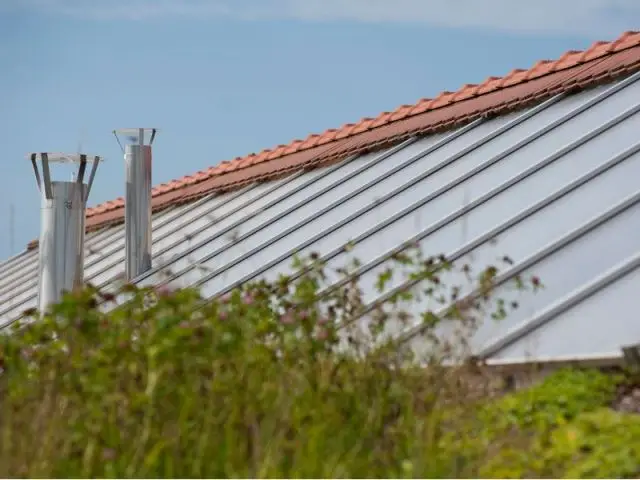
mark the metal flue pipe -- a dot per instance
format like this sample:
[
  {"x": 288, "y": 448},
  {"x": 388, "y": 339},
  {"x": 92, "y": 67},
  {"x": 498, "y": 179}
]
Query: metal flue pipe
[
  {"x": 138, "y": 168},
  {"x": 62, "y": 226}
]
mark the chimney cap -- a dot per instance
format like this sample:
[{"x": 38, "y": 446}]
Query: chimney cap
[
  {"x": 43, "y": 174},
  {"x": 136, "y": 135},
  {"x": 57, "y": 157}
]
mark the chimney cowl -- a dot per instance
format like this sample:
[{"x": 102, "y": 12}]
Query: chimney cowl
[
  {"x": 138, "y": 172},
  {"x": 62, "y": 228}
]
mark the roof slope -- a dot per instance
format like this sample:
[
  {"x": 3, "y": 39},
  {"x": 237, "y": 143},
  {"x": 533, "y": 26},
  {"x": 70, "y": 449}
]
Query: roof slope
[
  {"x": 555, "y": 184},
  {"x": 602, "y": 62}
]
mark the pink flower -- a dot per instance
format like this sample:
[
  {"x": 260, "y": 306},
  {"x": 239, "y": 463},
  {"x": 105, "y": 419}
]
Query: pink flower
[
  {"x": 287, "y": 319},
  {"x": 226, "y": 298},
  {"x": 27, "y": 353},
  {"x": 248, "y": 299},
  {"x": 322, "y": 334},
  {"x": 222, "y": 315},
  {"x": 323, "y": 321},
  {"x": 164, "y": 290}
]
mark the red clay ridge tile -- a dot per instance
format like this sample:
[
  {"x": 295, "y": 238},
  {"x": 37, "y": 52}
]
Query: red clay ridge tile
[
  {"x": 310, "y": 142},
  {"x": 243, "y": 162},
  {"x": 233, "y": 164},
  {"x": 254, "y": 159},
  {"x": 401, "y": 112},
  {"x": 293, "y": 147},
  {"x": 225, "y": 166},
  {"x": 443, "y": 99},
  {"x": 201, "y": 176},
  {"x": 213, "y": 171},
  {"x": 539, "y": 69},
  {"x": 345, "y": 131},
  {"x": 188, "y": 180},
  {"x": 327, "y": 136},
  {"x": 522, "y": 88},
  {"x": 164, "y": 187},
  {"x": 489, "y": 85},
  {"x": 515, "y": 76},
  {"x": 262, "y": 156},
  {"x": 468, "y": 90},
  {"x": 597, "y": 50},
  {"x": 569, "y": 59},
  {"x": 382, "y": 119},
  {"x": 277, "y": 152},
  {"x": 627, "y": 40},
  {"x": 363, "y": 125},
  {"x": 421, "y": 105}
]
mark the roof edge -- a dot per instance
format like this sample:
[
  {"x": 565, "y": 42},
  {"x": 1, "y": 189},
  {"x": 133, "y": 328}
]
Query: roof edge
[{"x": 519, "y": 89}]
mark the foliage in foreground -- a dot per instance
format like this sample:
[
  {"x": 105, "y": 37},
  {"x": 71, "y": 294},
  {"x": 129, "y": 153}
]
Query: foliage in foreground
[{"x": 258, "y": 383}]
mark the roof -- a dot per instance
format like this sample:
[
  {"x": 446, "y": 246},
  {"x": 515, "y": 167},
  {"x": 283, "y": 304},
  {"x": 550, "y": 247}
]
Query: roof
[
  {"x": 602, "y": 62},
  {"x": 552, "y": 185}
]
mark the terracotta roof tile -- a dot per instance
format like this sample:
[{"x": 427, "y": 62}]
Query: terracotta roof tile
[
  {"x": 541, "y": 68},
  {"x": 165, "y": 187},
  {"x": 468, "y": 90},
  {"x": 345, "y": 131},
  {"x": 401, "y": 112},
  {"x": 382, "y": 119},
  {"x": 515, "y": 76},
  {"x": 601, "y": 62},
  {"x": 310, "y": 142},
  {"x": 328, "y": 136},
  {"x": 293, "y": 147},
  {"x": 568, "y": 60},
  {"x": 363, "y": 125},
  {"x": 489, "y": 85},
  {"x": 626, "y": 40}
]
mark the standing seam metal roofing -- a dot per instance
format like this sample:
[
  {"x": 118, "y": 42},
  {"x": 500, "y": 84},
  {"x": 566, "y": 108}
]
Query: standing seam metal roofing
[
  {"x": 603, "y": 62},
  {"x": 556, "y": 184}
]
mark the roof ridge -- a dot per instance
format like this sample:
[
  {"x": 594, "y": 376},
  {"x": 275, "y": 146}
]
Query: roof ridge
[{"x": 569, "y": 59}]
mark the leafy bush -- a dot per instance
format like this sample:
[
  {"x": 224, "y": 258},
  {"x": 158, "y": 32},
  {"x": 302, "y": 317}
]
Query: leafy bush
[
  {"x": 598, "y": 444},
  {"x": 541, "y": 417},
  {"x": 557, "y": 399},
  {"x": 285, "y": 379}
]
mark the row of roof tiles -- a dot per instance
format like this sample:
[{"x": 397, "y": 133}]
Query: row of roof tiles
[{"x": 575, "y": 70}]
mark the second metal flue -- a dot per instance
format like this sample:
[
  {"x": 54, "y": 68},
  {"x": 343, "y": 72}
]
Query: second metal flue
[{"x": 138, "y": 166}]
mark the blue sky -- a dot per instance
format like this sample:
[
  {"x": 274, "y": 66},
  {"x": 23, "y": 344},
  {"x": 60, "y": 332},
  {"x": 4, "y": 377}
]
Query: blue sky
[{"x": 225, "y": 78}]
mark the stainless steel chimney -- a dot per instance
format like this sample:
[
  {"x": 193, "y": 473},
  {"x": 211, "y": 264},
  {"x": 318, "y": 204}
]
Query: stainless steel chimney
[
  {"x": 61, "y": 246},
  {"x": 138, "y": 165}
]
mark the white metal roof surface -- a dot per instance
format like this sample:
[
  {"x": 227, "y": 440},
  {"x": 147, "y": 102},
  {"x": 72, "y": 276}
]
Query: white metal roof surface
[{"x": 556, "y": 185}]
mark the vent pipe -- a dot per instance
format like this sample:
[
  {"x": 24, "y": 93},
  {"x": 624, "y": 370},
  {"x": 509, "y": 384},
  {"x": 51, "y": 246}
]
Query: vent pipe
[
  {"x": 138, "y": 164},
  {"x": 61, "y": 246}
]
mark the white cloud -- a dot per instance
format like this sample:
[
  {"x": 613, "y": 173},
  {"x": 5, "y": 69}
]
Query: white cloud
[{"x": 584, "y": 17}]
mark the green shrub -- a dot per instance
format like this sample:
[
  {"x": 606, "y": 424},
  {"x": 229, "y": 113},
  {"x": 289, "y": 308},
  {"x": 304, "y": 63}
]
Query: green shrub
[
  {"x": 558, "y": 398},
  {"x": 258, "y": 383},
  {"x": 521, "y": 429},
  {"x": 598, "y": 444}
]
